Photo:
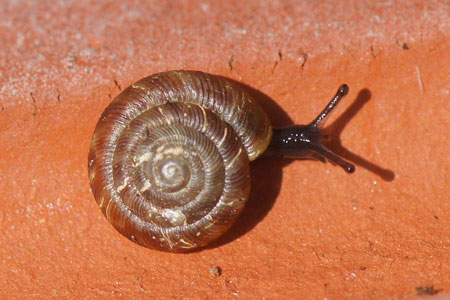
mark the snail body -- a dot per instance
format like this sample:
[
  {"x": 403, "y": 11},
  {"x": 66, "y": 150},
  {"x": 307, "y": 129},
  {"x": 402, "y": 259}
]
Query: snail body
[{"x": 169, "y": 158}]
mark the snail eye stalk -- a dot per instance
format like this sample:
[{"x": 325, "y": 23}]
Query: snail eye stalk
[{"x": 305, "y": 141}]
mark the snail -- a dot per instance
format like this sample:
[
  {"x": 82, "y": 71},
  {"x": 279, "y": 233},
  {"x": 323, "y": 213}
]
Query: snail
[{"x": 169, "y": 158}]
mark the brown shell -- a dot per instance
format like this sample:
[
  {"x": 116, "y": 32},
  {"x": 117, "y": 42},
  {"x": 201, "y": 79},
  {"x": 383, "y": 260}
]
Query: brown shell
[{"x": 169, "y": 158}]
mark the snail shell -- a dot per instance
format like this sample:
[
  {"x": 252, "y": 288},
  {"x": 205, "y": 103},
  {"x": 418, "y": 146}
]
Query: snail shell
[{"x": 169, "y": 158}]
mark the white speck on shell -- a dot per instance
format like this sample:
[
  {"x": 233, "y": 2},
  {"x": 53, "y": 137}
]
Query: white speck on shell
[
  {"x": 123, "y": 185},
  {"x": 146, "y": 186},
  {"x": 174, "y": 216},
  {"x": 143, "y": 158},
  {"x": 187, "y": 244}
]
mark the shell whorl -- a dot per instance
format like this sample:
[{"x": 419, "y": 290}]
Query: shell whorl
[{"x": 169, "y": 158}]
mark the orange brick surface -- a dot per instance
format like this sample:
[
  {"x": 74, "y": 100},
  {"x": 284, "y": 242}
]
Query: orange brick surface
[{"x": 310, "y": 231}]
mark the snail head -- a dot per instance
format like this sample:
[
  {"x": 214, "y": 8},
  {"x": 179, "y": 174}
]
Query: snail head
[{"x": 305, "y": 141}]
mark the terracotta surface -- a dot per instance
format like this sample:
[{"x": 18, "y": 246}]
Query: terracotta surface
[{"x": 310, "y": 231}]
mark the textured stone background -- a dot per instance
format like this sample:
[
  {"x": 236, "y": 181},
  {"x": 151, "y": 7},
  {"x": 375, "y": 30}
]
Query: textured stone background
[{"x": 310, "y": 231}]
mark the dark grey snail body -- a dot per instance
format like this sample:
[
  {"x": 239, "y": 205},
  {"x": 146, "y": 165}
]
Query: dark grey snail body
[{"x": 169, "y": 158}]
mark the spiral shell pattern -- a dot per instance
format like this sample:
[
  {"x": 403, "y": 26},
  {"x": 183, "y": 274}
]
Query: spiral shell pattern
[{"x": 169, "y": 158}]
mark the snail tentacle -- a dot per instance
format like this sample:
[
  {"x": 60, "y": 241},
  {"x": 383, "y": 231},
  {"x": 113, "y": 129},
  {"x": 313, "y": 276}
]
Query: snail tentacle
[{"x": 305, "y": 141}]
